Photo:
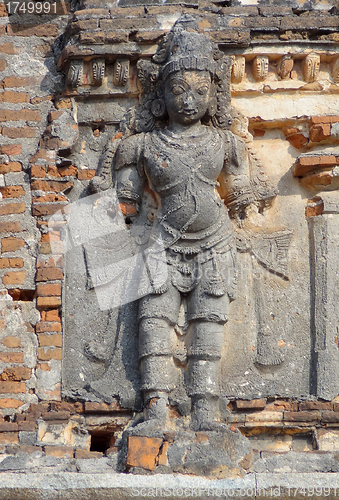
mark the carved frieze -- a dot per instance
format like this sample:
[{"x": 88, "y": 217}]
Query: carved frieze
[
  {"x": 75, "y": 73},
  {"x": 238, "y": 69},
  {"x": 285, "y": 66},
  {"x": 335, "y": 70},
  {"x": 121, "y": 72},
  {"x": 260, "y": 68},
  {"x": 98, "y": 71},
  {"x": 311, "y": 67}
]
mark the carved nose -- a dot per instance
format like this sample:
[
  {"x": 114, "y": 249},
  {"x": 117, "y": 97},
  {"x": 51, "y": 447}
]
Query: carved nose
[{"x": 188, "y": 98}]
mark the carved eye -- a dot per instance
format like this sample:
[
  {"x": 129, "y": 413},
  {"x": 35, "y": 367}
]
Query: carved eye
[
  {"x": 178, "y": 89},
  {"x": 203, "y": 90}
]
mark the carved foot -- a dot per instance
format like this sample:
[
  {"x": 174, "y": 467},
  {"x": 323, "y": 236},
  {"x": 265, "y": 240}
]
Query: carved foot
[{"x": 204, "y": 414}]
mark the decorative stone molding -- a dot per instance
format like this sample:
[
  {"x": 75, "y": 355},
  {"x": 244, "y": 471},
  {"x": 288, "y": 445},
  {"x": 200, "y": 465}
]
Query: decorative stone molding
[
  {"x": 238, "y": 69},
  {"x": 98, "y": 71},
  {"x": 311, "y": 67},
  {"x": 335, "y": 70},
  {"x": 285, "y": 66},
  {"x": 75, "y": 73},
  {"x": 121, "y": 72},
  {"x": 260, "y": 68}
]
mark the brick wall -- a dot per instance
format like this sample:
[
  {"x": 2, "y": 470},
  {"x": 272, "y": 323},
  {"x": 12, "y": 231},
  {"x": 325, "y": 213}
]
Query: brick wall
[{"x": 33, "y": 186}]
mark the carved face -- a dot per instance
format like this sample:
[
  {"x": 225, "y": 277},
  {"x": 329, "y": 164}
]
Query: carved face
[{"x": 187, "y": 96}]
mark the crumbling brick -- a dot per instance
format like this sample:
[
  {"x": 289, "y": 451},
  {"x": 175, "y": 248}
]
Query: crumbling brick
[
  {"x": 86, "y": 174},
  {"x": 17, "y": 373},
  {"x": 12, "y": 191},
  {"x": 143, "y": 452},
  {"x": 11, "y": 166}
]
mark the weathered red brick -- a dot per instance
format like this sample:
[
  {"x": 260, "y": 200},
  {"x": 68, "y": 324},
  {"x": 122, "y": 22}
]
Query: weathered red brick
[
  {"x": 52, "y": 315},
  {"x": 8, "y": 48},
  {"x": 50, "y": 340},
  {"x": 14, "y": 278},
  {"x": 46, "y": 290},
  {"x": 11, "y": 149},
  {"x": 11, "y": 244},
  {"x": 12, "y": 208},
  {"x": 17, "y": 373},
  {"x": 12, "y": 191},
  {"x": 11, "y": 357},
  {"x": 320, "y": 132},
  {"x": 9, "y": 437},
  {"x": 8, "y": 427},
  {"x": 45, "y": 30},
  {"x": 38, "y": 171},
  {"x": 81, "y": 454},
  {"x": 17, "y": 81},
  {"x": 12, "y": 387},
  {"x": 49, "y": 274},
  {"x": 317, "y": 120},
  {"x": 19, "y": 132},
  {"x": 54, "y": 186},
  {"x": 48, "y": 354},
  {"x": 91, "y": 407},
  {"x": 10, "y": 403},
  {"x": 253, "y": 404},
  {"x": 330, "y": 417},
  {"x": 298, "y": 141},
  {"x": 86, "y": 174},
  {"x": 315, "y": 405},
  {"x": 143, "y": 452},
  {"x": 14, "y": 97},
  {"x": 59, "y": 451},
  {"x": 48, "y": 302},
  {"x": 302, "y": 416},
  {"x": 11, "y": 342},
  {"x": 7, "y": 115},
  {"x": 11, "y": 166},
  {"x": 10, "y": 227}
]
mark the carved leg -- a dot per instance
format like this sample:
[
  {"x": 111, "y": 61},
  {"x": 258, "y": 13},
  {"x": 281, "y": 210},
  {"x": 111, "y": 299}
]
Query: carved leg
[
  {"x": 204, "y": 353},
  {"x": 157, "y": 368}
]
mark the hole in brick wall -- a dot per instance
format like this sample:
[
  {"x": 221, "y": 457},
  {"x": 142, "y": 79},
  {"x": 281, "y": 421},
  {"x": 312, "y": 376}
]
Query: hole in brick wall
[
  {"x": 25, "y": 295},
  {"x": 102, "y": 441}
]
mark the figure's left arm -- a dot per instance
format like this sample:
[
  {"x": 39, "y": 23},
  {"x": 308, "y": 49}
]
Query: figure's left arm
[{"x": 235, "y": 186}]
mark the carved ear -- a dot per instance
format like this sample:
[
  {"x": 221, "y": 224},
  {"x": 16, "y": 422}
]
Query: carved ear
[
  {"x": 212, "y": 107},
  {"x": 158, "y": 108}
]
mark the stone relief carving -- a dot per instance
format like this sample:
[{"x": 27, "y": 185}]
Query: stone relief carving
[
  {"x": 75, "y": 73},
  {"x": 335, "y": 70},
  {"x": 121, "y": 72},
  {"x": 311, "y": 67},
  {"x": 238, "y": 69},
  {"x": 98, "y": 71},
  {"x": 176, "y": 147},
  {"x": 285, "y": 66},
  {"x": 260, "y": 68}
]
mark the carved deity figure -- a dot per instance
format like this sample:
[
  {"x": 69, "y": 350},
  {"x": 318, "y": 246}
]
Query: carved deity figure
[{"x": 177, "y": 144}]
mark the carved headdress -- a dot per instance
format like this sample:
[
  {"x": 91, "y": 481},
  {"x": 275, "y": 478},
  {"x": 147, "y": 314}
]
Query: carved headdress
[{"x": 183, "y": 48}]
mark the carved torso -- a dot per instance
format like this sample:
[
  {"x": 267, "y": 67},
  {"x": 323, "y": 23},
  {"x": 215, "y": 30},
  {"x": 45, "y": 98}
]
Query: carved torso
[{"x": 184, "y": 175}]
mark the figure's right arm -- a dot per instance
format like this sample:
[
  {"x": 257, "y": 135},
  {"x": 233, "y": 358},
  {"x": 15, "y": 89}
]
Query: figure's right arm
[{"x": 129, "y": 175}]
